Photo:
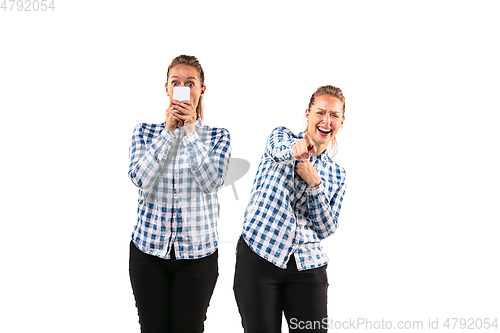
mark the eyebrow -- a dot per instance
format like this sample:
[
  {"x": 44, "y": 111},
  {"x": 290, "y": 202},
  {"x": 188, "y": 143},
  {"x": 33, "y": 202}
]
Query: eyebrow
[
  {"x": 334, "y": 111},
  {"x": 191, "y": 77}
]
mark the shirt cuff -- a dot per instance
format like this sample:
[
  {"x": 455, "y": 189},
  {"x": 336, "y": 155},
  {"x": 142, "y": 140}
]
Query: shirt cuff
[
  {"x": 190, "y": 138},
  {"x": 166, "y": 134},
  {"x": 314, "y": 191}
]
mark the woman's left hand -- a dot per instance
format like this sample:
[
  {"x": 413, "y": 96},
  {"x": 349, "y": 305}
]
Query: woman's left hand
[
  {"x": 185, "y": 112},
  {"x": 307, "y": 172}
]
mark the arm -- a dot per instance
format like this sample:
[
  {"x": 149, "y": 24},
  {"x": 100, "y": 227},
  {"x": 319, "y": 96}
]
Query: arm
[
  {"x": 279, "y": 145},
  {"x": 208, "y": 166},
  {"x": 323, "y": 213},
  {"x": 146, "y": 162}
]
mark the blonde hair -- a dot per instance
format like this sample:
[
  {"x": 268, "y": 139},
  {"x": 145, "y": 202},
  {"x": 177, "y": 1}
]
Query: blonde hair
[
  {"x": 335, "y": 92},
  {"x": 192, "y": 62}
]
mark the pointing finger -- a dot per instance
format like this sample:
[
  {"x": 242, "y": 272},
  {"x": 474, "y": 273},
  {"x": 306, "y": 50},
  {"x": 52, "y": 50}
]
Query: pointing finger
[
  {"x": 309, "y": 142},
  {"x": 311, "y": 148}
]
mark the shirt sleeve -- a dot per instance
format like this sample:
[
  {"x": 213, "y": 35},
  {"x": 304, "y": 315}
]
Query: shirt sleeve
[
  {"x": 324, "y": 213},
  {"x": 208, "y": 164},
  {"x": 279, "y": 145},
  {"x": 146, "y": 161}
]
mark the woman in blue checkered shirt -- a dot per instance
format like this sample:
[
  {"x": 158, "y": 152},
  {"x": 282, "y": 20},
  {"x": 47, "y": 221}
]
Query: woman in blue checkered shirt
[
  {"x": 295, "y": 203},
  {"x": 178, "y": 167}
]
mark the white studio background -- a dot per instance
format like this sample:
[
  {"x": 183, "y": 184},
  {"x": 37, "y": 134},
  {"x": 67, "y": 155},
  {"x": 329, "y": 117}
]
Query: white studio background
[{"x": 418, "y": 234}]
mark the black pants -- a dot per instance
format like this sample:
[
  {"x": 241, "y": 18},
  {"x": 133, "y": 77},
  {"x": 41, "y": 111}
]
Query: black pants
[
  {"x": 172, "y": 295},
  {"x": 264, "y": 291}
]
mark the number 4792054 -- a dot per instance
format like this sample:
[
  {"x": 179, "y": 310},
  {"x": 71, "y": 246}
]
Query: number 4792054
[{"x": 27, "y": 5}]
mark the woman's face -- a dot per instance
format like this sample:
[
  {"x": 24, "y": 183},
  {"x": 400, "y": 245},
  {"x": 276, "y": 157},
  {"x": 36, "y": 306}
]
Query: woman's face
[
  {"x": 185, "y": 76},
  {"x": 324, "y": 120}
]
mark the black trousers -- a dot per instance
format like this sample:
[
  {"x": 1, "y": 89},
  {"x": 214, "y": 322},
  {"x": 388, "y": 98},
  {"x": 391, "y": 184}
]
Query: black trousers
[
  {"x": 172, "y": 295},
  {"x": 264, "y": 291}
]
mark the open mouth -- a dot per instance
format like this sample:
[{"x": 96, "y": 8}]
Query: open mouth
[{"x": 324, "y": 131}]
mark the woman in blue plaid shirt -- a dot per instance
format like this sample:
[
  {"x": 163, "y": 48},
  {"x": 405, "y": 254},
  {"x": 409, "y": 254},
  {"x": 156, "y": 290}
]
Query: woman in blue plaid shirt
[
  {"x": 178, "y": 167},
  {"x": 295, "y": 202}
]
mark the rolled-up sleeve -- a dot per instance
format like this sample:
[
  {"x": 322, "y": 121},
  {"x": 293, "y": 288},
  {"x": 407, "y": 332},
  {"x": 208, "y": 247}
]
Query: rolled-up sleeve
[
  {"x": 324, "y": 213},
  {"x": 208, "y": 164},
  {"x": 146, "y": 160},
  {"x": 279, "y": 145}
]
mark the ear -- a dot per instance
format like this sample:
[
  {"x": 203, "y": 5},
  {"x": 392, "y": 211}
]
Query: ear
[
  {"x": 166, "y": 89},
  {"x": 203, "y": 90},
  {"x": 307, "y": 114}
]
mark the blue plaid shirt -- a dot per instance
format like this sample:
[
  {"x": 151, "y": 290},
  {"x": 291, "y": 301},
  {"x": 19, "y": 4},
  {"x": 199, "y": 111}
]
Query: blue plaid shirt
[
  {"x": 284, "y": 215},
  {"x": 178, "y": 176}
]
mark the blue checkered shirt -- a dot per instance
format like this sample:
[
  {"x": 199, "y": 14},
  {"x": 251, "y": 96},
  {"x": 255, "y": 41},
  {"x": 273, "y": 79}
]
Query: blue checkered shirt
[
  {"x": 178, "y": 176},
  {"x": 284, "y": 215}
]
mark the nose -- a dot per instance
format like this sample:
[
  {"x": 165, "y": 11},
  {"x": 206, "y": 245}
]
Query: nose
[{"x": 327, "y": 119}]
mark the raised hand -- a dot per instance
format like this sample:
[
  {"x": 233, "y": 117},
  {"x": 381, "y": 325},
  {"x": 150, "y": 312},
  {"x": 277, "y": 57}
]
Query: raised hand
[
  {"x": 185, "y": 112},
  {"x": 171, "y": 122},
  {"x": 304, "y": 148}
]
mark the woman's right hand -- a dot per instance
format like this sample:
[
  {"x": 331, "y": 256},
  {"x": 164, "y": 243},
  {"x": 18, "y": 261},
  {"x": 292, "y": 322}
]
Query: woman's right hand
[
  {"x": 304, "y": 148},
  {"x": 171, "y": 121}
]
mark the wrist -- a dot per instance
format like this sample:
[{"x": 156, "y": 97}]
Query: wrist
[
  {"x": 189, "y": 128},
  {"x": 315, "y": 183}
]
